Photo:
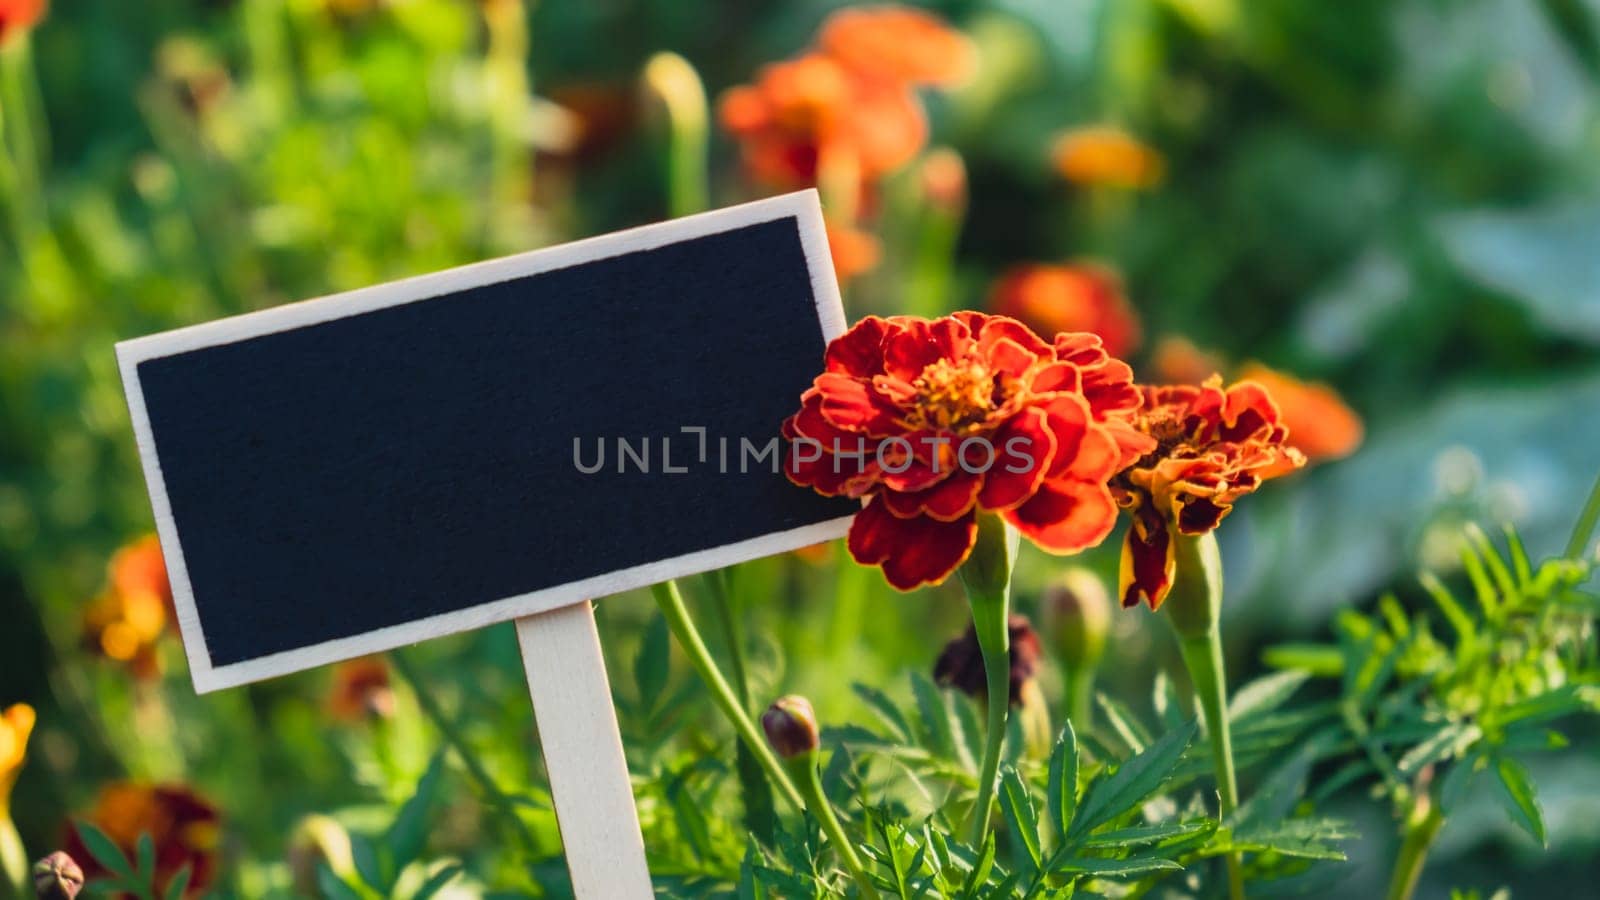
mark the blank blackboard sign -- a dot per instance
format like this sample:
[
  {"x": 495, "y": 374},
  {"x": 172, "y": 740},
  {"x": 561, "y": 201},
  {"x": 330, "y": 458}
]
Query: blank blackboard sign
[{"x": 350, "y": 474}]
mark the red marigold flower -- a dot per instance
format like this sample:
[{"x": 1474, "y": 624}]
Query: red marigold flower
[
  {"x": 1081, "y": 297},
  {"x": 126, "y": 622},
  {"x": 931, "y": 421},
  {"x": 184, "y": 827},
  {"x": 897, "y": 43},
  {"x": 1210, "y": 447},
  {"x": 361, "y": 690},
  {"x": 19, "y": 16}
]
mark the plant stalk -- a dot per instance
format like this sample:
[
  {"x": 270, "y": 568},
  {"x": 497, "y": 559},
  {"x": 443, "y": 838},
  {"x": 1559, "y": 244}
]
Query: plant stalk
[
  {"x": 803, "y": 768},
  {"x": 435, "y": 713},
  {"x": 1194, "y": 607},
  {"x": 674, "y": 81},
  {"x": 1421, "y": 829},
  {"x": 13, "y": 860},
  {"x": 670, "y": 601},
  {"x": 986, "y": 575}
]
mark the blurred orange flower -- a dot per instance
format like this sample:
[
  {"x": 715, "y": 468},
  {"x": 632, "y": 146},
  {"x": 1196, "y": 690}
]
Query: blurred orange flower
[
  {"x": 125, "y": 622},
  {"x": 943, "y": 178},
  {"x": 1081, "y": 297},
  {"x": 804, "y": 114},
  {"x": 1177, "y": 360},
  {"x": 19, "y": 16},
  {"x": 16, "y": 725},
  {"x": 361, "y": 690},
  {"x": 1321, "y": 426},
  {"x": 854, "y": 251},
  {"x": 897, "y": 43},
  {"x": 185, "y": 828},
  {"x": 1212, "y": 446},
  {"x": 1105, "y": 155}
]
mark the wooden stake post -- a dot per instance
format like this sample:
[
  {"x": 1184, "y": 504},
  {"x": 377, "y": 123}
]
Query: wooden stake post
[{"x": 498, "y": 442}]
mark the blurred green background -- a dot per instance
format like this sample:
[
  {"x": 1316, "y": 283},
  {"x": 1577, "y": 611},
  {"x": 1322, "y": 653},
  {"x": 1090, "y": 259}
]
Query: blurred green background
[{"x": 1400, "y": 199}]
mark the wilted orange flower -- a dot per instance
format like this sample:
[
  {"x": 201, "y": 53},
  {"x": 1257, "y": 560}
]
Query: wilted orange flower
[
  {"x": 960, "y": 664},
  {"x": 1105, "y": 155},
  {"x": 897, "y": 43},
  {"x": 800, "y": 113},
  {"x": 1081, "y": 297},
  {"x": 1211, "y": 447},
  {"x": 16, "y": 725},
  {"x": 1320, "y": 425},
  {"x": 933, "y": 421},
  {"x": 125, "y": 622},
  {"x": 854, "y": 252},
  {"x": 19, "y": 16},
  {"x": 361, "y": 690},
  {"x": 185, "y": 828}
]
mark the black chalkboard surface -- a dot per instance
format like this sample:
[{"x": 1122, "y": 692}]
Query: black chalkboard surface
[{"x": 366, "y": 470}]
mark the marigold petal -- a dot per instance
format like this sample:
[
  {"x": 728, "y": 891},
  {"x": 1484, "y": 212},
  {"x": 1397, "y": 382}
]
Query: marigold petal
[
  {"x": 859, "y": 351},
  {"x": 1066, "y": 516},
  {"x": 946, "y": 501},
  {"x": 852, "y": 405},
  {"x": 1147, "y": 568},
  {"x": 912, "y": 551},
  {"x": 1024, "y": 448}
]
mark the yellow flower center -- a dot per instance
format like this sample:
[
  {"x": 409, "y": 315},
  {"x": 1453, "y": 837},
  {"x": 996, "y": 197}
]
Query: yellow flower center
[{"x": 956, "y": 395}]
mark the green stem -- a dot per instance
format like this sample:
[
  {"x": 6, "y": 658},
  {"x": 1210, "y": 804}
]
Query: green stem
[
  {"x": 1194, "y": 607},
  {"x": 14, "y": 860},
  {"x": 1584, "y": 529},
  {"x": 987, "y": 577},
  {"x": 731, "y": 633},
  {"x": 1079, "y": 688},
  {"x": 1420, "y": 832},
  {"x": 671, "y": 603},
  {"x": 674, "y": 81},
  {"x": 803, "y": 768},
  {"x": 435, "y": 713}
]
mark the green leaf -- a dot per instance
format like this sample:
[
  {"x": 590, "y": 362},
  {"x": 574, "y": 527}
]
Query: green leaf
[
  {"x": 1448, "y": 741},
  {"x": 437, "y": 881},
  {"x": 145, "y": 849},
  {"x": 1319, "y": 660},
  {"x": 979, "y": 876},
  {"x": 1518, "y": 793},
  {"x": 1124, "y": 723},
  {"x": 1017, "y": 807},
  {"x": 652, "y": 665},
  {"x": 1133, "y": 781},
  {"x": 1453, "y": 787},
  {"x": 1111, "y": 868},
  {"x": 1265, "y": 694},
  {"x": 1301, "y": 838},
  {"x": 1147, "y": 834},
  {"x": 933, "y": 708},
  {"x": 179, "y": 884},
  {"x": 105, "y": 851},
  {"x": 1464, "y": 627},
  {"x": 887, "y": 712},
  {"x": 368, "y": 863},
  {"x": 409, "y": 832},
  {"x": 332, "y": 886},
  {"x": 1063, "y": 784}
]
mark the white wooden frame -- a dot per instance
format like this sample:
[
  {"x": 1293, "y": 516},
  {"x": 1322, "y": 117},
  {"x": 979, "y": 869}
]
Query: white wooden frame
[{"x": 803, "y": 206}]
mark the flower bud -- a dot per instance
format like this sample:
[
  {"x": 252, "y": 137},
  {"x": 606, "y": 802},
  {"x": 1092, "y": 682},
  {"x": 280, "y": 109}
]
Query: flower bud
[
  {"x": 1077, "y": 613},
  {"x": 791, "y": 726},
  {"x": 57, "y": 877}
]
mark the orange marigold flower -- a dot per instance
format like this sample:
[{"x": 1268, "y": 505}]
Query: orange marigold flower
[
  {"x": 1105, "y": 155},
  {"x": 799, "y": 111},
  {"x": 185, "y": 828},
  {"x": 1081, "y": 297},
  {"x": 897, "y": 43},
  {"x": 361, "y": 690},
  {"x": 932, "y": 421},
  {"x": 1211, "y": 447},
  {"x": 16, "y": 725},
  {"x": 1176, "y": 360},
  {"x": 1320, "y": 425},
  {"x": 19, "y": 16},
  {"x": 126, "y": 621},
  {"x": 854, "y": 252}
]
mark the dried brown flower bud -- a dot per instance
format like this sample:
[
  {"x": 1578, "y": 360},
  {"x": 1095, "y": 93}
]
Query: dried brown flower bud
[
  {"x": 57, "y": 877},
  {"x": 791, "y": 726},
  {"x": 961, "y": 664}
]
